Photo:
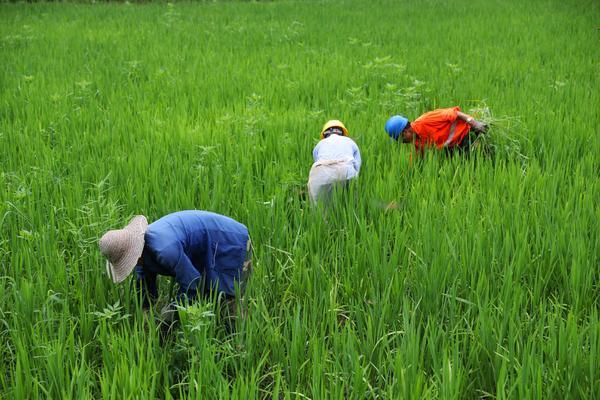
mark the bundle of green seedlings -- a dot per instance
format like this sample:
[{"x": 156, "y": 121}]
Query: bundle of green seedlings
[{"x": 504, "y": 136}]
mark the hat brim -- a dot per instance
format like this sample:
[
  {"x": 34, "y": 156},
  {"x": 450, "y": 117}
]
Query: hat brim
[{"x": 134, "y": 235}]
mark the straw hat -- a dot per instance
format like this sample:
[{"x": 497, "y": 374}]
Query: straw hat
[{"x": 123, "y": 247}]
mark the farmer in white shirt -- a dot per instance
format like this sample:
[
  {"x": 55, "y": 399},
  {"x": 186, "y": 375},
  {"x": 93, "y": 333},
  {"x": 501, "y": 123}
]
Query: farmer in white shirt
[{"x": 336, "y": 161}]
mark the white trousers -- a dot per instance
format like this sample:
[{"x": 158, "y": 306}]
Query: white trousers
[{"x": 325, "y": 174}]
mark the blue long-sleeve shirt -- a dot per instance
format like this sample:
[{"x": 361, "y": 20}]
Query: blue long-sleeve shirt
[
  {"x": 200, "y": 249},
  {"x": 337, "y": 147}
]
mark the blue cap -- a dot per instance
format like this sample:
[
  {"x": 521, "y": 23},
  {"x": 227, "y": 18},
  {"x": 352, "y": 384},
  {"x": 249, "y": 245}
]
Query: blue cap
[{"x": 395, "y": 125}]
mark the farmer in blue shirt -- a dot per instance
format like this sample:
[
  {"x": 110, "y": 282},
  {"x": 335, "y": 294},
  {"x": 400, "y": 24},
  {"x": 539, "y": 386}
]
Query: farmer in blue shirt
[{"x": 203, "y": 251}]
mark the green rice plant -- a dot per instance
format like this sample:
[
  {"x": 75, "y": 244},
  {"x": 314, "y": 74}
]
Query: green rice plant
[{"x": 432, "y": 277}]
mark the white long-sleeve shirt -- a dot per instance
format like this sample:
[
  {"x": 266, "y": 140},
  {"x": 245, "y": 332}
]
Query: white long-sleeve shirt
[{"x": 336, "y": 147}]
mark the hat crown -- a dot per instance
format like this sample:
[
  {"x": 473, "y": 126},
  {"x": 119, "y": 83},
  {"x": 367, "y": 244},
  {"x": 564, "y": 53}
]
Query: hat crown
[
  {"x": 395, "y": 125},
  {"x": 334, "y": 123}
]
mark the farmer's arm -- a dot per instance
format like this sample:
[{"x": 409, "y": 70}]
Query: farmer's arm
[
  {"x": 463, "y": 116},
  {"x": 476, "y": 125},
  {"x": 315, "y": 152},
  {"x": 175, "y": 260},
  {"x": 357, "y": 160},
  {"x": 146, "y": 286}
]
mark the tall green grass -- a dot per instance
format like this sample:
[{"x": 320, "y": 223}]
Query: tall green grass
[{"x": 482, "y": 281}]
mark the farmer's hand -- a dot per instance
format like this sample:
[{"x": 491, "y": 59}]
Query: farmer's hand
[{"x": 479, "y": 126}]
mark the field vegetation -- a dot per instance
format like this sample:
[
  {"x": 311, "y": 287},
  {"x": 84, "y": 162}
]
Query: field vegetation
[{"x": 480, "y": 281}]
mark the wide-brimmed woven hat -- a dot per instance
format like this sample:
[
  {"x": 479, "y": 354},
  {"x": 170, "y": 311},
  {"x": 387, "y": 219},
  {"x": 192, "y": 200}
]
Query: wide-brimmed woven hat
[{"x": 123, "y": 247}]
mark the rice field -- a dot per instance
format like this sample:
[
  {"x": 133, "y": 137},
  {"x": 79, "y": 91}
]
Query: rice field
[{"x": 480, "y": 281}]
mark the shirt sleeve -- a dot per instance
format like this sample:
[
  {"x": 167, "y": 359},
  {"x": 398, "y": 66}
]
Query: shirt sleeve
[
  {"x": 450, "y": 114},
  {"x": 357, "y": 160},
  {"x": 316, "y": 153},
  {"x": 186, "y": 275},
  {"x": 145, "y": 284}
]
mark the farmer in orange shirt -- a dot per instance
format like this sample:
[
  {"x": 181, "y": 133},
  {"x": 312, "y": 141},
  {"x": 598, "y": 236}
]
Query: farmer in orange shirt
[{"x": 443, "y": 128}]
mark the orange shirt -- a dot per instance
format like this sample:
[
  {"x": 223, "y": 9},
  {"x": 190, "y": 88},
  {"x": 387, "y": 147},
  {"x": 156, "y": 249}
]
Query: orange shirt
[{"x": 434, "y": 128}]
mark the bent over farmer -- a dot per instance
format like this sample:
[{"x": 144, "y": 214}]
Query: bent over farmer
[
  {"x": 442, "y": 128},
  {"x": 201, "y": 250},
  {"x": 336, "y": 160}
]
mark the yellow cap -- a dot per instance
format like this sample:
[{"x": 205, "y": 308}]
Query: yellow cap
[{"x": 334, "y": 123}]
